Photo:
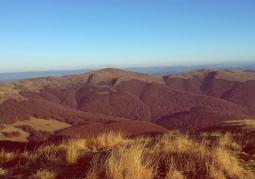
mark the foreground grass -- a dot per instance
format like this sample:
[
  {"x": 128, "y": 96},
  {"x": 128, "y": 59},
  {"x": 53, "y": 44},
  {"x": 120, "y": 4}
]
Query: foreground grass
[{"x": 211, "y": 155}]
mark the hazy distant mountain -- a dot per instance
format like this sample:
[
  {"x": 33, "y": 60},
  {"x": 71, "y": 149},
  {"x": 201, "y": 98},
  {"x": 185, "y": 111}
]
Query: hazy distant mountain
[
  {"x": 183, "y": 69},
  {"x": 15, "y": 76},
  {"x": 249, "y": 70},
  {"x": 9, "y": 77}
]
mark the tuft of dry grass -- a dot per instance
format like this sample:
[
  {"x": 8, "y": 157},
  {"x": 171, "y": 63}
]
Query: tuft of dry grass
[
  {"x": 227, "y": 141},
  {"x": 45, "y": 174},
  {"x": 129, "y": 162},
  {"x": 172, "y": 171},
  {"x": 7, "y": 156},
  {"x": 123, "y": 162},
  {"x": 227, "y": 163},
  {"x": 74, "y": 150},
  {"x": 3, "y": 172},
  {"x": 180, "y": 142},
  {"x": 114, "y": 156},
  {"x": 105, "y": 141}
]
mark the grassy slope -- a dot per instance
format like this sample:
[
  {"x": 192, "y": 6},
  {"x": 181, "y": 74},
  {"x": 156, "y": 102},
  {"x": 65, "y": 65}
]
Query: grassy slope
[{"x": 207, "y": 154}]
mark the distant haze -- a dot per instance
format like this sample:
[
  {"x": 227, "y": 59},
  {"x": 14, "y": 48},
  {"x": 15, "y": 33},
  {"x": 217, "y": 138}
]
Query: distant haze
[{"x": 9, "y": 77}]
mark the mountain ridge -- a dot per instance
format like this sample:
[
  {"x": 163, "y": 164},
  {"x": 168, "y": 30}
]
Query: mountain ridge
[
  {"x": 157, "y": 70},
  {"x": 188, "y": 101}
]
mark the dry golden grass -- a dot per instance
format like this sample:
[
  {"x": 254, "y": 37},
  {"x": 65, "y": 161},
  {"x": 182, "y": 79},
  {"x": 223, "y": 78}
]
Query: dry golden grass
[
  {"x": 45, "y": 174},
  {"x": 170, "y": 157},
  {"x": 171, "y": 171},
  {"x": 241, "y": 132},
  {"x": 105, "y": 141},
  {"x": 74, "y": 150},
  {"x": 7, "y": 156},
  {"x": 3, "y": 172},
  {"x": 114, "y": 156},
  {"x": 127, "y": 162},
  {"x": 225, "y": 160}
]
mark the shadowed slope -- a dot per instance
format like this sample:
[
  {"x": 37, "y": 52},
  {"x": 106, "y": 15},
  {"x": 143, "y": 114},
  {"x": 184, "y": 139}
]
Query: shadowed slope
[
  {"x": 127, "y": 127},
  {"x": 195, "y": 120},
  {"x": 234, "y": 86}
]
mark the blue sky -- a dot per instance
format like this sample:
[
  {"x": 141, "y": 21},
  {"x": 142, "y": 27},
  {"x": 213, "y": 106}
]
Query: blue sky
[{"x": 40, "y": 35}]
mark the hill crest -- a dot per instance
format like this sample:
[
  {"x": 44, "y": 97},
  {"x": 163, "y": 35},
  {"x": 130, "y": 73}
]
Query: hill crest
[{"x": 187, "y": 101}]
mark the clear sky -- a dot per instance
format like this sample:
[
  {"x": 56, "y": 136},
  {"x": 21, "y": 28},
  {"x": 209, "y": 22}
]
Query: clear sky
[{"x": 75, "y": 34}]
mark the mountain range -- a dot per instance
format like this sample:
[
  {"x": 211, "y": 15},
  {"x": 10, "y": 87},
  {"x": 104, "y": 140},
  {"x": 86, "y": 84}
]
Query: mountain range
[
  {"x": 131, "y": 102},
  {"x": 158, "y": 70}
]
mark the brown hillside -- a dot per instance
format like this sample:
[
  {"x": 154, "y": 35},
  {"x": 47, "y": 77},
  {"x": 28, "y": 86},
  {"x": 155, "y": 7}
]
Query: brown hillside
[
  {"x": 195, "y": 120},
  {"x": 234, "y": 86},
  {"x": 181, "y": 102},
  {"x": 127, "y": 127}
]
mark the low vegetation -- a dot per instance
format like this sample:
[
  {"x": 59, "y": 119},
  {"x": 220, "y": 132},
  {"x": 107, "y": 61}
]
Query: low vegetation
[{"x": 207, "y": 154}]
